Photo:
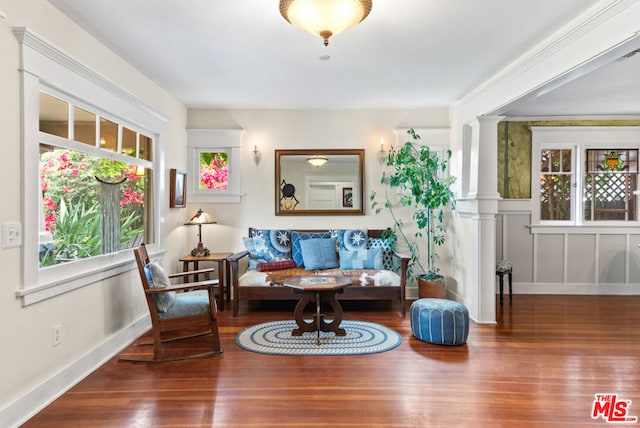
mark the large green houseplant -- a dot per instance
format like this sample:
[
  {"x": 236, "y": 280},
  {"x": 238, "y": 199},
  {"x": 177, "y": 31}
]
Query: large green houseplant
[{"x": 420, "y": 180}]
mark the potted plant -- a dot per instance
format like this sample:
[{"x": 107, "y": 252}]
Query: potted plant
[{"x": 419, "y": 176}]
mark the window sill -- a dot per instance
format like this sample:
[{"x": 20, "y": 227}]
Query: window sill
[
  {"x": 603, "y": 229},
  {"x": 109, "y": 267}
]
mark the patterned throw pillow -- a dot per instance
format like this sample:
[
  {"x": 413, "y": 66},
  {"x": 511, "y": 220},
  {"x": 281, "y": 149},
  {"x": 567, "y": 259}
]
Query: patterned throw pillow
[
  {"x": 351, "y": 239},
  {"x": 297, "y": 237},
  {"x": 319, "y": 253},
  {"x": 278, "y": 265},
  {"x": 361, "y": 259},
  {"x": 387, "y": 251},
  {"x": 159, "y": 279},
  {"x": 272, "y": 245}
]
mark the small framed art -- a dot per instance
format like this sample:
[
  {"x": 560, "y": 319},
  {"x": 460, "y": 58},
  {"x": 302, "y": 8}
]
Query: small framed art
[
  {"x": 347, "y": 197},
  {"x": 177, "y": 189}
]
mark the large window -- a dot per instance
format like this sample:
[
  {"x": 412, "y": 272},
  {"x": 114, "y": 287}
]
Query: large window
[
  {"x": 91, "y": 203},
  {"x": 585, "y": 175},
  {"x": 88, "y": 185}
]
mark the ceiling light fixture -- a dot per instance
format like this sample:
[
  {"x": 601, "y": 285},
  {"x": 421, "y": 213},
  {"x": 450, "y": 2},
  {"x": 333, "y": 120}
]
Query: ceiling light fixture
[
  {"x": 325, "y": 18},
  {"x": 317, "y": 161}
]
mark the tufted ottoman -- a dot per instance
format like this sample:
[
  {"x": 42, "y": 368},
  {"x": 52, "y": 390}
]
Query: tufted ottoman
[{"x": 439, "y": 321}]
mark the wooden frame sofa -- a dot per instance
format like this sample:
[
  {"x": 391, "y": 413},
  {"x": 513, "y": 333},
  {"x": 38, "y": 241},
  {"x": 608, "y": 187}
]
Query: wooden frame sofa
[{"x": 265, "y": 283}]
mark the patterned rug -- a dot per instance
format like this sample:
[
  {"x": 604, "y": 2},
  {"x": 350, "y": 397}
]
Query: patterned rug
[{"x": 275, "y": 338}]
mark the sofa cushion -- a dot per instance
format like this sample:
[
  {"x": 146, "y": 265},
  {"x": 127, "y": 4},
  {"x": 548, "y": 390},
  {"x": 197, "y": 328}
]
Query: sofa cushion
[
  {"x": 253, "y": 260},
  {"x": 349, "y": 239},
  {"x": 359, "y": 277},
  {"x": 159, "y": 279},
  {"x": 319, "y": 253},
  {"x": 361, "y": 259},
  {"x": 297, "y": 237},
  {"x": 387, "y": 246},
  {"x": 277, "y": 265},
  {"x": 272, "y": 244}
]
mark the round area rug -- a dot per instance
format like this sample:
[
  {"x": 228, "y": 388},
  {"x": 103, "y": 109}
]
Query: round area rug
[{"x": 275, "y": 338}]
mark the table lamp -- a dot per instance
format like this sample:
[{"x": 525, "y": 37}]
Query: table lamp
[{"x": 200, "y": 218}]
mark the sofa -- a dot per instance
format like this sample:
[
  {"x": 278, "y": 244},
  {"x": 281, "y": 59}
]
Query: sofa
[{"x": 273, "y": 255}]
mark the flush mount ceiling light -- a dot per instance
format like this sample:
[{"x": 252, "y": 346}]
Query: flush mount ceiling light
[
  {"x": 325, "y": 18},
  {"x": 317, "y": 161}
]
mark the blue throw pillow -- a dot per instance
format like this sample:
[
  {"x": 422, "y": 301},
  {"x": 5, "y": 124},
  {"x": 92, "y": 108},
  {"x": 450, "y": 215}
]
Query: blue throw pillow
[
  {"x": 319, "y": 253},
  {"x": 387, "y": 246},
  {"x": 297, "y": 237},
  {"x": 361, "y": 259},
  {"x": 351, "y": 239},
  {"x": 272, "y": 245}
]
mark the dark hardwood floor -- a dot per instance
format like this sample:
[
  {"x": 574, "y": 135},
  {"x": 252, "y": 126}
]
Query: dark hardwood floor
[{"x": 541, "y": 365}]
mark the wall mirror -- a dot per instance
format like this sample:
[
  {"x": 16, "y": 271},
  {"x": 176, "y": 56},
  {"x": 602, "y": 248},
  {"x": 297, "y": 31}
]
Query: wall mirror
[{"x": 319, "y": 182}]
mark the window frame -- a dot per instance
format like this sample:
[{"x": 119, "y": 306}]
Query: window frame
[
  {"x": 579, "y": 139},
  {"x": 46, "y": 68},
  {"x": 214, "y": 140}
]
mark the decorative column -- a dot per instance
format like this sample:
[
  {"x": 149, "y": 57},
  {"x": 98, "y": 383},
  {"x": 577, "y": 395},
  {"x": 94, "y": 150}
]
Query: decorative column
[{"x": 483, "y": 195}]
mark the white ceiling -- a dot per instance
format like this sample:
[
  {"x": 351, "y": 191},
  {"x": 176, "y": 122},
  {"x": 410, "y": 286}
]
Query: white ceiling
[{"x": 407, "y": 54}]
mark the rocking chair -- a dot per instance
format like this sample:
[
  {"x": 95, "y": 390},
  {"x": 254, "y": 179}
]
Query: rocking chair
[{"x": 190, "y": 305}]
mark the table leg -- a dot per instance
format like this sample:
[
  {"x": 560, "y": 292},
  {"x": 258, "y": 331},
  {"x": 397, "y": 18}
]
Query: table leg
[
  {"x": 221, "y": 286},
  {"x": 298, "y": 315}
]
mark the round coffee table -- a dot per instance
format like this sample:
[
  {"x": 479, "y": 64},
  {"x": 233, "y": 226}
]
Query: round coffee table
[{"x": 319, "y": 289}]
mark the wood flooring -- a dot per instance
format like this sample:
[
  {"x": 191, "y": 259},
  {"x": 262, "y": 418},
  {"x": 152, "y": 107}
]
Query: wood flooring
[{"x": 540, "y": 366}]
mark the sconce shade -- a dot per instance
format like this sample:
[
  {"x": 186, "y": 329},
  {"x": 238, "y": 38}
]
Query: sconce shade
[
  {"x": 317, "y": 161},
  {"x": 325, "y": 18}
]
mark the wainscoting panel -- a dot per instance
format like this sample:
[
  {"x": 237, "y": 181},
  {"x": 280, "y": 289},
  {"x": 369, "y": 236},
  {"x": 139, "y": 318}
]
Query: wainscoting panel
[
  {"x": 549, "y": 256},
  {"x": 567, "y": 260},
  {"x": 612, "y": 259},
  {"x": 581, "y": 256}
]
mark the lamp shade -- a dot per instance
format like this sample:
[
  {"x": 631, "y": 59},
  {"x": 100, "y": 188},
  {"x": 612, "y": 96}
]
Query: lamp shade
[
  {"x": 325, "y": 18},
  {"x": 201, "y": 217}
]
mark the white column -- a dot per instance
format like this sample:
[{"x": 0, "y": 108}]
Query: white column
[{"x": 483, "y": 195}]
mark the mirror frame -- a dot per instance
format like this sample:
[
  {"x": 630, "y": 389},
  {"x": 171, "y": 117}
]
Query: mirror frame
[{"x": 358, "y": 210}]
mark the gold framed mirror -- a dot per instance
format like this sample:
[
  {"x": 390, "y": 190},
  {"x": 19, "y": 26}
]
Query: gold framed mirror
[{"x": 319, "y": 182}]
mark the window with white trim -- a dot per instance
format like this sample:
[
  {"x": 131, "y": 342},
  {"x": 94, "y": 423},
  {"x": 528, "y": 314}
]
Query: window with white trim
[
  {"x": 75, "y": 123},
  {"x": 214, "y": 165},
  {"x": 585, "y": 175}
]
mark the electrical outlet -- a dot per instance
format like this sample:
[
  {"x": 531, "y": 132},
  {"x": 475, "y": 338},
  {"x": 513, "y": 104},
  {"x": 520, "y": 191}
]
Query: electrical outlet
[
  {"x": 57, "y": 335},
  {"x": 12, "y": 234}
]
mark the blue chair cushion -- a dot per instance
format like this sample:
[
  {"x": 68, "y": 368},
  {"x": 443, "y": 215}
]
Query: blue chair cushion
[
  {"x": 439, "y": 321},
  {"x": 158, "y": 279},
  {"x": 188, "y": 303}
]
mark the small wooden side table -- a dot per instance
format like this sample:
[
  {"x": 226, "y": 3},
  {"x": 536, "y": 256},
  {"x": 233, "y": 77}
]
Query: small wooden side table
[{"x": 224, "y": 285}]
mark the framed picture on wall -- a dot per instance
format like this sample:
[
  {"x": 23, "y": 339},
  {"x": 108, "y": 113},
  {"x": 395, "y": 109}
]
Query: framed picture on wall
[
  {"x": 347, "y": 197},
  {"x": 177, "y": 189}
]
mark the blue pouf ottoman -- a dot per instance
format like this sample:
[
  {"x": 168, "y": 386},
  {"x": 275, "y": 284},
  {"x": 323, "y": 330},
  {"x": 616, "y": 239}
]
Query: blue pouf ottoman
[{"x": 439, "y": 321}]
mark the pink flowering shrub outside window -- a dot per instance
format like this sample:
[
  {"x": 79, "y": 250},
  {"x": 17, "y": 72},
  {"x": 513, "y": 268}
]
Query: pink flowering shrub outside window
[
  {"x": 71, "y": 202},
  {"x": 214, "y": 170}
]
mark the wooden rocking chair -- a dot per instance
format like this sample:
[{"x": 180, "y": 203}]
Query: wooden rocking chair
[{"x": 189, "y": 305}]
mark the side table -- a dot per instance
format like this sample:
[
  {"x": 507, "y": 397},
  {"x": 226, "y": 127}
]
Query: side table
[{"x": 224, "y": 285}]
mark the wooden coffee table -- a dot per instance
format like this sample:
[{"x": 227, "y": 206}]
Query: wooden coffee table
[{"x": 319, "y": 289}]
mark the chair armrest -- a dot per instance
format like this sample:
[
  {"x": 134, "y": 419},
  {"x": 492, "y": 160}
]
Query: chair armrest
[
  {"x": 200, "y": 285},
  {"x": 237, "y": 256},
  {"x": 191, "y": 272}
]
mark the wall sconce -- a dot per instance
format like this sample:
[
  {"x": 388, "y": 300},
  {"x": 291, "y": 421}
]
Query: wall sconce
[
  {"x": 257, "y": 155},
  {"x": 382, "y": 153}
]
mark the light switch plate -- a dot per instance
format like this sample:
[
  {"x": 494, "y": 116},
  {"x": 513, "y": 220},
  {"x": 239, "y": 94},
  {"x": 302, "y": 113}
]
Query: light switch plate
[{"x": 11, "y": 234}]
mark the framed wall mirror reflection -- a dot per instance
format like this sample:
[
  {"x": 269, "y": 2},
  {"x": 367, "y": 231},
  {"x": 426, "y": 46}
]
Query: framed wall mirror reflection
[{"x": 319, "y": 182}]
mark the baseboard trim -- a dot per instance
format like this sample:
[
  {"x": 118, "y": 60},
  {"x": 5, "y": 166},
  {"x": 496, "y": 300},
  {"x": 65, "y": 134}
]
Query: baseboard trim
[{"x": 24, "y": 408}]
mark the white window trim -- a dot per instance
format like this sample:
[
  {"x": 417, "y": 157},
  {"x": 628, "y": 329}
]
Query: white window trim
[
  {"x": 207, "y": 140},
  {"x": 43, "y": 64},
  {"x": 579, "y": 139}
]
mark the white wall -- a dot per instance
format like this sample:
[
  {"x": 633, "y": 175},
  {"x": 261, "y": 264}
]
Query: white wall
[
  {"x": 94, "y": 318},
  {"x": 313, "y": 129}
]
